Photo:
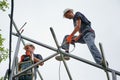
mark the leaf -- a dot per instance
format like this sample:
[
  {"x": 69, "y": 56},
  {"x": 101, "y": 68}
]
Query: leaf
[
  {"x": 3, "y": 5},
  {"x": 3, "y": 50}
]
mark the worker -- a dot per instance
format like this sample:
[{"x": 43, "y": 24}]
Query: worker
[
  {"x": 86, "y": 35},
  {"x": 29, "y": 54}
]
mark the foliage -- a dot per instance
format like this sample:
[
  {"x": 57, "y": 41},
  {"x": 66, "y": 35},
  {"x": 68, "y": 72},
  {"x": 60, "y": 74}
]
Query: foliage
[
  {"x": 3, "y": 51},
  {"x": 1, "y": 78},
  {"x": 3, "y": 5}
]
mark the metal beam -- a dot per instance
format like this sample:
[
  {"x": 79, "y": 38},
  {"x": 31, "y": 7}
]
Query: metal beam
[
  {"x": 36, "y": 42},
  {"x": 15, "y": 56},
  {"x": 56, "y": 42},
  {"x": 71, "y": 55},
  {"x": 39, "y": 74},
  {"x": 104, "y": 61},
  {"x": 114, "y": 77},
  {"x": 15, "y": 26}
]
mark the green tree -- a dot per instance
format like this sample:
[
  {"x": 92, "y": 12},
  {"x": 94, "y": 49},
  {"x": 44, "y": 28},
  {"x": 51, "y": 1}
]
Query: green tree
[
  {"x": 1, "y": 78},
  {"x": 3, "y": 50},
  {"x": 3, "y": 5}
]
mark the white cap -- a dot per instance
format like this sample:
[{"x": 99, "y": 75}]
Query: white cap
[{"x": 66, "y": 10}]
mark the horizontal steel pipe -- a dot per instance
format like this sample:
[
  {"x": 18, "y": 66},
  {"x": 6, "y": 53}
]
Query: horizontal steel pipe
[{"x": 73, "y": 56}]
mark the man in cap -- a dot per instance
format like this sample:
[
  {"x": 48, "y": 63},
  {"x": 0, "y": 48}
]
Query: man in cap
[
  {"x": 29, "y": 48},
  {"x": 86, "y": 34},
  {"x": 30, "y": 56}
]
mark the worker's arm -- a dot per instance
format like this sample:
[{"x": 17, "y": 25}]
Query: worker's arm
[
  {"x": 76, "y": 29},
  {"x": 37, "y": 60}
]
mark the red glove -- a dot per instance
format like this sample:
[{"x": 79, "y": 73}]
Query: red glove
[{"x": 69, "y": 39}]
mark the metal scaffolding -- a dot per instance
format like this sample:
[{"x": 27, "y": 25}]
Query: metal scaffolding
[{"x": 14, "y": 75}]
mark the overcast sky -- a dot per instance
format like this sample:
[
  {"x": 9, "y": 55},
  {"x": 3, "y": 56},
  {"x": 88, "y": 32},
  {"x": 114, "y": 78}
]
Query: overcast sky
[{"x": 40, "y": 15}]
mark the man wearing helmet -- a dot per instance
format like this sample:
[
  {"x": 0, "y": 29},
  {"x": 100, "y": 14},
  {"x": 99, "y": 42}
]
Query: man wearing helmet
[{"x": 86, "y": 34}]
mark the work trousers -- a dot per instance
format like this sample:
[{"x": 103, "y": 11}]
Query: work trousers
[{"x": 88, "y": 39}]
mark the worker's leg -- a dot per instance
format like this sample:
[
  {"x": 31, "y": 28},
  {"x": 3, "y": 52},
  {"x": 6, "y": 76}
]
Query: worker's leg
[
  {"x": 89, "y": 39},
  {"x": 65, "y": 45}
]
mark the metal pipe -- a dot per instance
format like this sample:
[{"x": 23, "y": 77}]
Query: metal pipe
[
  {"x": 15, "y": 56},
  {"x": 114, "y": 76},
  {"x": 90, "y": 63},
  {"x": 66, "y": 67},
  {"x": 56, "y": 42},
  {"x": 15, "y": 26},
  {"x": 73, "y": 56},
  {"x": 6, "y": 75},
  {"x": 36, "y": 42},
  {"x": 16, "y": 63},
  {"x": 39, "y": 74},
  {"x": 104, "y": 61}
]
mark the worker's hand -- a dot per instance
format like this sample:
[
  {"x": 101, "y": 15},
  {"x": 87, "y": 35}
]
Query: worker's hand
[
  {"x": 69, "y": 39},
  {"x": 77, "y": 38},
  {"x": 37, "y": 60}
]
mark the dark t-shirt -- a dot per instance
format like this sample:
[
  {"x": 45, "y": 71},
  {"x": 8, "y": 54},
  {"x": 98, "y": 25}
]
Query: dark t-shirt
[
  {"x": 38, "y": 56},
  {"x": 85, "y": 23}
]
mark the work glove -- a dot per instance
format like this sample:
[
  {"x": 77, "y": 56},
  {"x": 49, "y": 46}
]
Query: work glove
[{"x": 69, "y": 39}]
